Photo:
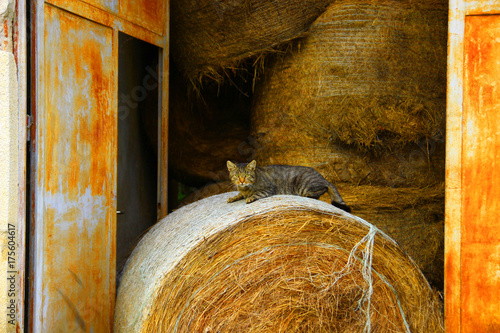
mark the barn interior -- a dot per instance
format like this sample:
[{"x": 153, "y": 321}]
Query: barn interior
[{"x": 354, "y": 89}]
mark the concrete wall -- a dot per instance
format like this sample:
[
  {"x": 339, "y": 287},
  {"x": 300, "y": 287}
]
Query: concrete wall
[{"x": 9, "y": 169}]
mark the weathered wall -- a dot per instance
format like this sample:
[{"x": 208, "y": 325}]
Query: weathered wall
[
  {"x": 7, "y": 15},
  {"x": 9, "y": 125}
]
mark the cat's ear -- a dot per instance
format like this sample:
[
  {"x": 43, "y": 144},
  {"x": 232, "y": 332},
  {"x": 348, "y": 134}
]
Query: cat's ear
[
  {"x": 231, "y": 166},
  {"x": 251, "y": 165}
]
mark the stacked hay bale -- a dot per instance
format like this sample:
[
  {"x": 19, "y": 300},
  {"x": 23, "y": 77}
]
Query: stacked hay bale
[
  {"x": 359, "y": 96},
  {"x": 284, "y": 263},
  {"x": 359, "y": 93},
  {"x": 212, "y": 41},
  {"x": 362, "y": 99},
  {"x": 211, "y": 38}
]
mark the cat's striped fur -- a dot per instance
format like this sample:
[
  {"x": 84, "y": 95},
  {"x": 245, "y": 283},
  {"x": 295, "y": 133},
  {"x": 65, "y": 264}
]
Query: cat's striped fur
[{"x": 255, "y": 183}]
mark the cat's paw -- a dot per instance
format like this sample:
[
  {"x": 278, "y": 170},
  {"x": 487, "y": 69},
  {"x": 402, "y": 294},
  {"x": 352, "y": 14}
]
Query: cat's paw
[
  {"x": 250, "y": 200},
  {"x": 233, "y": 199}
]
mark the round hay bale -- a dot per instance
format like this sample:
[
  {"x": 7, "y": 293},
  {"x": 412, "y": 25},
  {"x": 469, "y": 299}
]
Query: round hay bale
[
  {"x": 284, "y": 263},
  {"x": 210, "y": 37},
  {"x": 367, "y": 72},
  {"x": 414, "y": 165},
  {"x": 365, "y": 87},
  {"x": 413, "y": 217}
]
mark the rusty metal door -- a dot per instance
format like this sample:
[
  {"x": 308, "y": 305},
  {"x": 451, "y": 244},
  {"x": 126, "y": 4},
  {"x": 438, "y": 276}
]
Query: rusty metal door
[
  {"x": 472, "y": 281},
  {"x": 74, "y": 157},
  {"x": 76, "y": 170}
]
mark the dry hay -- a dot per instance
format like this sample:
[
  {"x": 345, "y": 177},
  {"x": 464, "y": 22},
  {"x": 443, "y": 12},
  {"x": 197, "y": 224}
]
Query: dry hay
[
  {"x": 367, "y": 73},
  {"x": 414, "y": 217},
  {"x": 211, "y": 38},
  {"x": 415, "y": 165},
  {"x": 365, "y": 87},
  {"x": 281, "y": 264}
]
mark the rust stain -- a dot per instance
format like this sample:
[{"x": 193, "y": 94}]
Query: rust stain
[
  {"x": 86, "y": 130},
  {"x": 5, "y": 40},
  {"x": 75, "y": 260},
  {"x": 452, "y": 274},
  {"x": 145, "y": 13},
  {"x": 481, "y": 282},
  {"x": 97, "y": 11},
  {"x": 15, "y": 37},
  {"x": 481, "y": 124},
  {"x": 108, "y": 5},
  {"x": 78, "y": 158},
  {"x": 482, "y": 7},
  {"x": 480, "y": 255},
  {"x": 103, "y": 125},
  {"x": 451, "y": 271}
]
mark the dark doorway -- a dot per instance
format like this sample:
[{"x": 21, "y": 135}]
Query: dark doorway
[{"x": 138, "y": 114}]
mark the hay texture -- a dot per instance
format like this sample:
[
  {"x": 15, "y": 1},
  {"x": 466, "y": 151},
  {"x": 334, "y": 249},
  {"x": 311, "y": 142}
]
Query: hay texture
[
  {"x": 368, "y": 72},
  {"x": 415, "y": 165},
  {"x": 413, "y": 217},
  {"x": 281, "y": 264},
  {"x": 369, "y": 75},
  {"x": 210, "y": 37}
]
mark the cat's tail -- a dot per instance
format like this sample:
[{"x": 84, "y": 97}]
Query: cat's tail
[{"x": 337, "y": 200}]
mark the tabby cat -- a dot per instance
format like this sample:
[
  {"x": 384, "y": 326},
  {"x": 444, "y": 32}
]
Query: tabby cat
[{"x": 255, "y": 183}]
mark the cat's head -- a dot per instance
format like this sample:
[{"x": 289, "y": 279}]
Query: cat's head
[{"x": 242, "y": 175}]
